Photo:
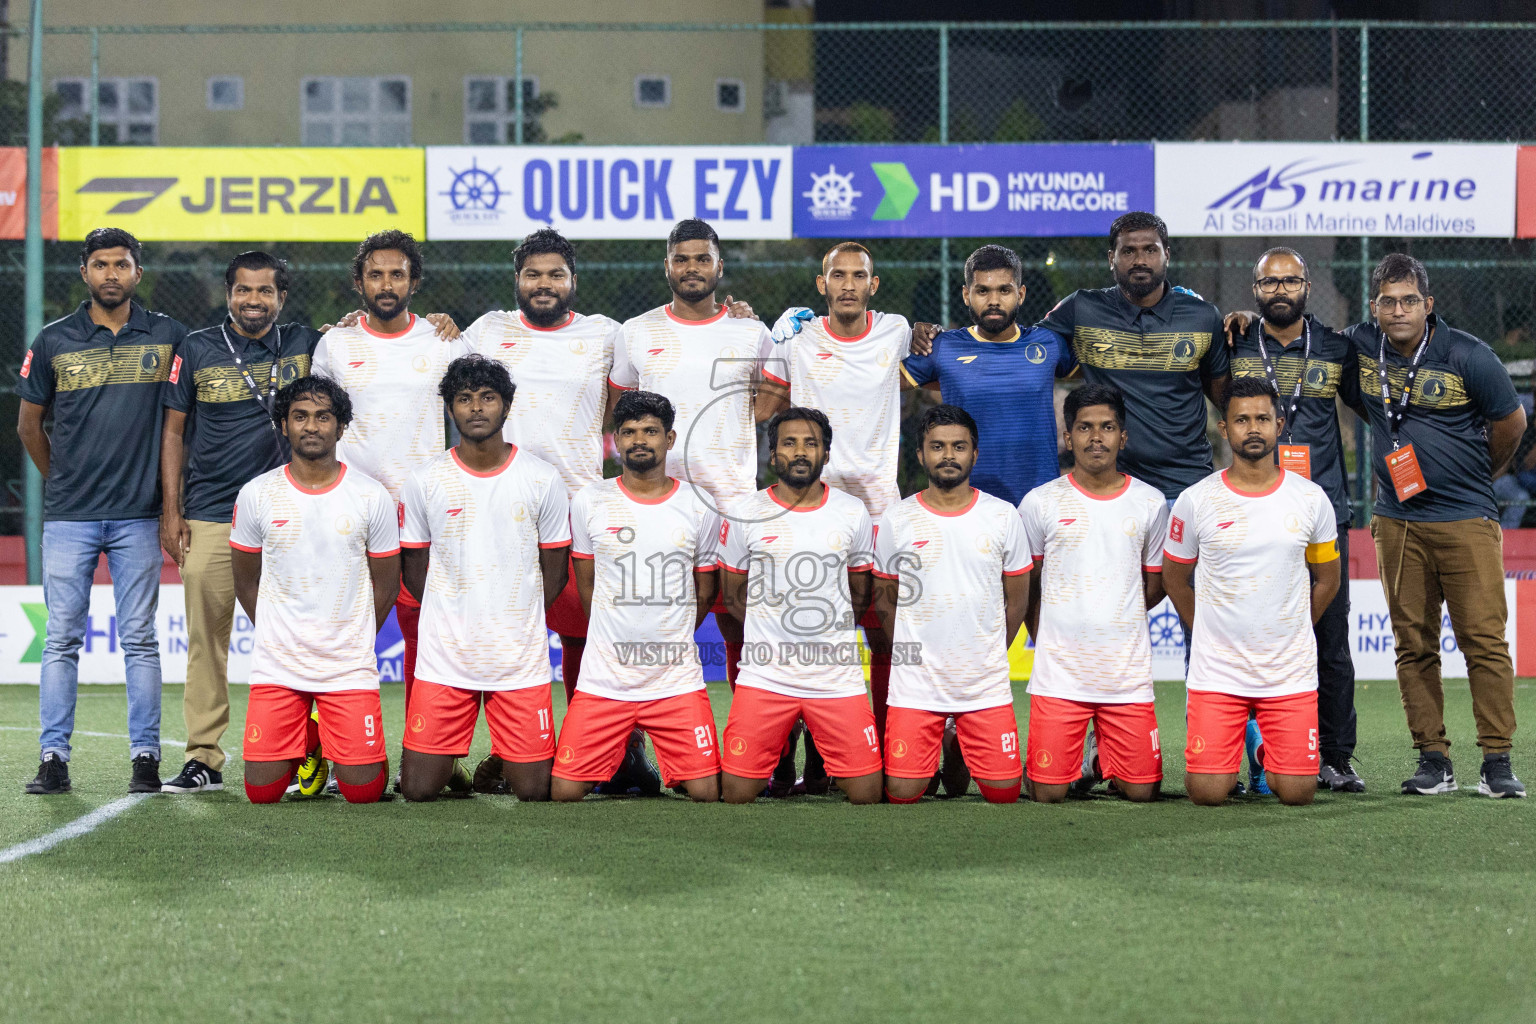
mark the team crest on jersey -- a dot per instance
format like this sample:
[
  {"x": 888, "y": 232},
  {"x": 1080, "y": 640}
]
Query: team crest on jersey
[
  {"x": 253, "y": 734},
  {"x": 679, "y": 537},
  {"x": 566, "y": 756},
  {"x": 421, "y": 364},
  {"x": 883, "y": 360},
  {"x": 738, "y": 746},
  {"x": 345, "y": 525},
  {"x": 1129, "y": 526},
  {"x": 836, "y": 541},
  {"x": 418, "y": 723},
  {"x": 578, "y": 347},
  {"x": 899, "y": 749},
  {"x": 984, "y": 544},
  {"x": 1176, "y": 529},
  {"x": 1197, "y": 745},
  {"x": 519, "y": 512},
  {"x": 1035, "y": 352},
  {"x": 1043, "y": 759},
  {"x": 1292, "y": 523}
]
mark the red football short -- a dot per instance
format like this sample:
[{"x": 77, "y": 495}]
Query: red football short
[
  {"x": 596, "y": 729},
  {"x": 351, "y": 725},
  {"x": 1216, "y": 722},
  {"x": 441, "y": 720},
  {"x": 760, "y": 721},
  {"x": 989, "y": 739},
  {"x": 1127, "y": 737},
  {"x": 564, "y": 616}
]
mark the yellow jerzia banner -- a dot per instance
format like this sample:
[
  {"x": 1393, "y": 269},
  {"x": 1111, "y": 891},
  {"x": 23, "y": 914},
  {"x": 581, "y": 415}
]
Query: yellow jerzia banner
[{"x": 206, "y": 194}]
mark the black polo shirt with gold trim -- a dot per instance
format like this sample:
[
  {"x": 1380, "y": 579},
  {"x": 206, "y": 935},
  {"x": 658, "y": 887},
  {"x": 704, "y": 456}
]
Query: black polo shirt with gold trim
[
  {"x": 1331, "y": 372},
  {"x": 104, "y": 392},
  {"x": 1460, "y": 387},
  {"x": 1160, "y": 357},
  {"x": 230, "y": 439}
]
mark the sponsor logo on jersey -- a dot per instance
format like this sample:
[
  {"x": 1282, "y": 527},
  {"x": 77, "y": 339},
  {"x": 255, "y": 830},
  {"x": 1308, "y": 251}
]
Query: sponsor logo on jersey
[
  {"x": 356, "y": 363},
  {"x": 453, "y": 511},
  {"x": 770, "y": 539},
  {"x": 26, "y": 364},
  {"x": 1067, "y": 522},
  {"x": 823, "y": 355},
  {"x": 1176, "y": 529},
  {"x": 919, "y": 543},
  {"x": 967, "y": 360},
  {"x": 175, "y": 377},
  {"x": 279, "y": 522},
  {"x": 655, "y": 351},
  {"x": 1223, "y": 526}
]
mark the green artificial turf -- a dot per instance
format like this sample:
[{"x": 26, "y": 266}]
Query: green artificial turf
[{"x": 1360, "y": 908}]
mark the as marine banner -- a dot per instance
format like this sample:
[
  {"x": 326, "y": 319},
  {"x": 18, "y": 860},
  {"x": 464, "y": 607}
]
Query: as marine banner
[{"x": 284, "y": 195}]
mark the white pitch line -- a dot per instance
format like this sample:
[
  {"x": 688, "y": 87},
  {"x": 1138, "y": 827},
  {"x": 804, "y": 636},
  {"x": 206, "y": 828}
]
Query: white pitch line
[
  {"x": 98, "y": 735},
  {"x": 78, "y": 827}
]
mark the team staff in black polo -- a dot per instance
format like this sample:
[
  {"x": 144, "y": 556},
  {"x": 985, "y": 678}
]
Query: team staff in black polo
[
  {"x": 99, "y": 371},
  {"x": 219, "y": 434},
  {"x": 1308, "y": 365}
]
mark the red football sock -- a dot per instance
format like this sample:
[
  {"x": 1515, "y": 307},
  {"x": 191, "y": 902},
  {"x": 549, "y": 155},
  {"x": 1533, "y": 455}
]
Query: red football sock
[
  {"x": 1001, "y": 794},
  {"x": 902, "y": 799},
  {"x": 879, "y": 688},
  {"x": 367, "y": 793},
  {"x": 271, "y": 793},
  {"x": 570, "y": 667},
  {"x": 408, "y": 617},
  {"x": 732, "y": 663}
]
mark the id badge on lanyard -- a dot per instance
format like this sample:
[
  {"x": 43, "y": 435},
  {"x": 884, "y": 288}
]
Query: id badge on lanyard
[
  {"x": 1294, "y": 458},
  {"x": 1402, "y": 462}
]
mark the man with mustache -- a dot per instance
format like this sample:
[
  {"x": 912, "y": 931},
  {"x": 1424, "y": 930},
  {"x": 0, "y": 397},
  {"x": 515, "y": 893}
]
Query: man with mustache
[
  {"x": 803, "y": 549},
  {"x": 1310, "y": 365},
  {"x": 951, "y": 584},
  {"x": 99, "y": 371},
  {"x": 485, "y": 540},
  {"x": 391, "y": 362},
  {"x": 1251, "y": 563},
  {"x": 645, "y": 549}
]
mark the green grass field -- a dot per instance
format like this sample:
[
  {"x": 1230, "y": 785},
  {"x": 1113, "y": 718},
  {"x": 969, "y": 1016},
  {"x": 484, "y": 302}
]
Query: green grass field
[{"x": 1366, "y": 908}]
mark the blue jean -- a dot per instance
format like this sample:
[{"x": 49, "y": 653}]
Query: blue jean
[{"x": 70, "y": 552}]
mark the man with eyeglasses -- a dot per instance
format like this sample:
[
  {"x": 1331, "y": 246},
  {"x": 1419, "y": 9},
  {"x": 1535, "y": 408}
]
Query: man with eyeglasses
[{"x": 1309, "y": 365}]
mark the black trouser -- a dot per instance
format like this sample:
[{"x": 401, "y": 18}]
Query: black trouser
[{"x": 1336, "y": 668}]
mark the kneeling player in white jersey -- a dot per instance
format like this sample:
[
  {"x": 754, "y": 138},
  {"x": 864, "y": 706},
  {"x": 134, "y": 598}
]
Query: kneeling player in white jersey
[
  {"x": 1252, "y": 561},
  {"x": 645, "y": 548},
  {"x": 796, "y": 560},
  {"x": 1096, "y": 536},
  {"x": 316, "y": 558},
  {"x": 950, "y": 565},
  {"x": 486, "y": 534}
]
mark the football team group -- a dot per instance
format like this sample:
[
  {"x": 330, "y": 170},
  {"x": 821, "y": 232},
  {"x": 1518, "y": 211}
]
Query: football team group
[{"x": 307, "y": 475}]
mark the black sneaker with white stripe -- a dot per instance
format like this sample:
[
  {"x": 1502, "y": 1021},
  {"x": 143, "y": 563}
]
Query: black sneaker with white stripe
[
  {"x": 1434, "y": 775},
  {"x": 195, "y": 777},
  {"x": 1497, "y": 779}
]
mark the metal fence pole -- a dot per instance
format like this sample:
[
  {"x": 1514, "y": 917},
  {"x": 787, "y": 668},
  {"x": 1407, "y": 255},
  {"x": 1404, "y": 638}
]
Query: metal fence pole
[
  {"x": 32, "y": 479},
  {"x": 517, "y": 65},
  {"x": 1363, "y": 466},
  {"x": 944, "y": 139},
  {"x": 95, "y": 87}
]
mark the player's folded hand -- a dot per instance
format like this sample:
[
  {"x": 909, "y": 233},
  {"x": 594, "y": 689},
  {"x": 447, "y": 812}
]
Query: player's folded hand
[
  {"x": 791, "y": 322},
  {"x": 1236, "y": 325},
  {"x": 739, "y": 309},
  {"x": 446, "y": 328},
  {"x": 922, "y": 337}
]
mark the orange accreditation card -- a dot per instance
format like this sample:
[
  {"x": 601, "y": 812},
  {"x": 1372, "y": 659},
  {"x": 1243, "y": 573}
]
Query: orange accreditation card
[
  {"x": 1407, "y": 477},
  {"x": 1297, "y": 458}
]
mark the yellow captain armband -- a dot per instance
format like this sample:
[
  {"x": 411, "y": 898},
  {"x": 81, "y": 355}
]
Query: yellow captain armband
[{"x": 1327, "y": 551}]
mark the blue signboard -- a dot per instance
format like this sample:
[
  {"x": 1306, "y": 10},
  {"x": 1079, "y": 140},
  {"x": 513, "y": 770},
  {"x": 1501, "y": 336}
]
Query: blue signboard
[{"x": 973, "y": 191}]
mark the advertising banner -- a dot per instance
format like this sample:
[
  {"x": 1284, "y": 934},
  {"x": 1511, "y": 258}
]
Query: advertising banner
[
  {"x": 1422, "y": 190},
  {"x": 977, "y": 191},
  {"x": 286, "y": 195},
  {"x": 13, "y": 192},
  {"x": 504, "y": 192},
  {"x": 1525, "y": 192}
]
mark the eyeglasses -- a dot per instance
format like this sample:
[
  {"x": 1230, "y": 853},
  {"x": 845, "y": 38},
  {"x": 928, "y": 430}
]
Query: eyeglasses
[
  {"x": 1408, "y": 303},
  {"x": 1272, "y": 284}
]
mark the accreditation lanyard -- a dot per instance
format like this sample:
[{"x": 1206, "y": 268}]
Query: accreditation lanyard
[
  {"x": 1301, "y": 375},
  {"x": 268, "y": 401},
  {"x": 1395, "y": 415}
]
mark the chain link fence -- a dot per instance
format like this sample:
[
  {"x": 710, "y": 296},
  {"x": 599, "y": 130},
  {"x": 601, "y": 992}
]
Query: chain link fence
[{"x": 847, "y": 83}]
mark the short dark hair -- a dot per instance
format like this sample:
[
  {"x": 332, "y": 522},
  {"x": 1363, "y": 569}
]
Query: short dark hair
[
  {"x": 1093, "y": 394},
  {"x": 635, "y": 405},
  {"x": 257, "y": 260},
  {"x": 540, "y": 243},
  {"x": 1137, "y": 220},
  {"x": 804, "y": 414},
  {"x": 993, "y": 257},
  {"x": 1399, "y": 266},
  {"x": 1249, "y": 387},
  {"x": 947, "y": 416},
  {"x": 473, "y": 372},
  {"x": 313, "y": 386},
  {"x": 1281, "y": 250},
  {"x": 383, "y": 241},
  {"x": 111, "y": 238},
  {"x": 826, "y": 259},
  {"x": 692, "y": 230}
]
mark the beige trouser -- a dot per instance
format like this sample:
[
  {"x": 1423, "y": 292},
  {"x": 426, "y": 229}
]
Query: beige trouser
[
  {"x": 1462, "y": 564},
  {"x": 210, "y": 592}
]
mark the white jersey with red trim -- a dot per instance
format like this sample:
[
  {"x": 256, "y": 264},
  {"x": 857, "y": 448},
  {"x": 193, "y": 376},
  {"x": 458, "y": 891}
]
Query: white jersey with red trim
[
  {"x": 1092, "y": 643},
  {"x": 800, "y": 638},
  {"x": 1253, "y": 592},
  {"x": 706, "y": 368},
  {"x": 857, "y": 383},
  {"x": 397, "y": 417},
  {"x": 482, "y": 611},
  {"x": 561, "y": 375},
  {"x": 314, "y": 609},
  {"x": 644, "y": 553},
  {"x": 951, "y": 627}
]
